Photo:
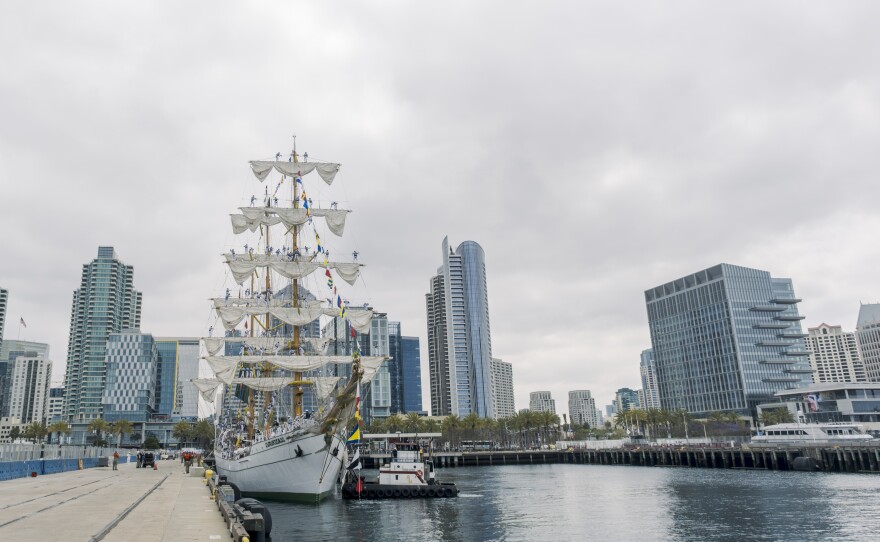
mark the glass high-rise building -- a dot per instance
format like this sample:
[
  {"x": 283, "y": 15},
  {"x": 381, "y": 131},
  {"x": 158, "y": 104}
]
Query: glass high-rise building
[
  {"x": 131, "y": 367},
  {"x": 726, "y": 338},
  {"x": 405, "y": 372},
  {"x": 648, "y": 370},
  {"x": 106, "y": 302},
  {"x": 459, "y": 341},
  {"x": 178, "y": 363},
  {"x": 625, "y": 399}
]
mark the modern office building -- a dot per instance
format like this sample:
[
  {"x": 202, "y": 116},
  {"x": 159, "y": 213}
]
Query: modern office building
[
  {"x": 379, "y": 400},
  {"x": 459, "y": 340},
  {"x": 834, "y": 355},
  {"x": 502, "y": 388},
  {"x": 56, "y": 404},
  {"x": 582, "y": 409},
  {"x": 648, "y": 371},
  {"x": 626, "y": 399},
  {"x": 132, "y": 366},
  {"x": 105, "y": 303},
  {"x": 405, "y": 371},
  {"x": 868, "y": 338},
  {"x": 10, "y": 350},
  {"x": 726, "y": 338},
  {"x": 177, "y": 364},
  {"x": 541, "y": 401},
  {"x": 29, "y": 396},
  {"x": 411, "y": 375}
]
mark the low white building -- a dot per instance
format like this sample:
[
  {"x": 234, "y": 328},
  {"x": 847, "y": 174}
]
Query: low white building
[{"x": 857, "y": 402}]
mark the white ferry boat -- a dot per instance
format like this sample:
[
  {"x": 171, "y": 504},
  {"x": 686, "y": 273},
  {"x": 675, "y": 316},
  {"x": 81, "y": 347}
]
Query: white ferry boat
[
  {"x": 831, "y": 432},
  {"x": 408, "y": 475}
]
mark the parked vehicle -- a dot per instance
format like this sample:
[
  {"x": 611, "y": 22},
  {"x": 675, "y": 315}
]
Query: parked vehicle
[{"x": 149, "y": 460}]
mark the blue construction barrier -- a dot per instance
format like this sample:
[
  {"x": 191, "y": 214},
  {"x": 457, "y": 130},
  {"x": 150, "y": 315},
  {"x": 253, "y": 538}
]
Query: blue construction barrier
[{"x": 23, "y": 469}]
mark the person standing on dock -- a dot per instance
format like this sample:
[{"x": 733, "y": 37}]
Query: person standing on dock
[
  {"x": 115, "y": 460},
  {"x": 187, "y": 460}
]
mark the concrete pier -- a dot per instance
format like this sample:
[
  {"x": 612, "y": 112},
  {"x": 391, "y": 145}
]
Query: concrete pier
[{"x": 128, "y": 504}]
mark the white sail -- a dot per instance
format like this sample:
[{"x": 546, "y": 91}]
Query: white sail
[
  {"x": 232, "y": 316},
  {"x": 224, "y": 367},
  {"x": 215, "y": 345},
  {"x": 324, "y": 385},
  {"x": 207, "y": 387},
  {"x": 242, "y": 267},
  {"x": 262, "y": 168},
  {"x": 251, "y": 218}
]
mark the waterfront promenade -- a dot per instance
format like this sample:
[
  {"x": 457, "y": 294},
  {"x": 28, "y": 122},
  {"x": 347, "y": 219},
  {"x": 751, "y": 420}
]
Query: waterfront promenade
[{"x": 86, "y": 505}]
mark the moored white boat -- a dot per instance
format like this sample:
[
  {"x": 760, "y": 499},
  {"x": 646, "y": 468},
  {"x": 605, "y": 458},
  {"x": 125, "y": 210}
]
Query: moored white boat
[{"x": 830, "y": 432}]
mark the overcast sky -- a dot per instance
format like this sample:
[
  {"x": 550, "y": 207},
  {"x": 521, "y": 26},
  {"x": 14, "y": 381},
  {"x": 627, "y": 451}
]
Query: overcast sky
[{"x": 594, "y": 150}]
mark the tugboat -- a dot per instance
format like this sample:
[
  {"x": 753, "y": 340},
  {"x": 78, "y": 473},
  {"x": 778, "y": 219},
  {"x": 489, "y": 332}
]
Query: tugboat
[{"x": 408, "y": 475}]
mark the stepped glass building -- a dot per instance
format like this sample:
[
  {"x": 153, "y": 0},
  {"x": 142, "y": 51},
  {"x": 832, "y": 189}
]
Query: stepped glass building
[
  {"x": 105, "y": 302},
  {"x": 726, "y": 338},
  {"x": 459, "y": 341}
]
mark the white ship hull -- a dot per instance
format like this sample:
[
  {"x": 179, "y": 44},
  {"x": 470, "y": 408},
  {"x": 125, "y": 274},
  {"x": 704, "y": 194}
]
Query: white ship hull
[{"x": 275, "y": 470}]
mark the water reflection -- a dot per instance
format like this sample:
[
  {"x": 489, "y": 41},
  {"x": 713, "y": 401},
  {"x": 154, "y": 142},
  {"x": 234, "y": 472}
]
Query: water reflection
[{"x": 587, "y": 502}]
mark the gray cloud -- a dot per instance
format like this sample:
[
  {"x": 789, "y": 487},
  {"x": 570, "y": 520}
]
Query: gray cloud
[{"x": 593, "y": 150}]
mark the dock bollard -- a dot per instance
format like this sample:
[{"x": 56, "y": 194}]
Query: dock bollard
[{"x": 208, "y": 474}]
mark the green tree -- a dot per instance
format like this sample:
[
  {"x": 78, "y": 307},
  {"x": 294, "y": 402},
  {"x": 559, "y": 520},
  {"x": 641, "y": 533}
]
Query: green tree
[
  {"x": 182, "y": 431},
  {"x": 151, "y": 442},
  {"x": 98, "y": 426},
  {"x": 35, "y": 432},
  {"x": 413, "y": 423},
  {"x": 59, "y": 427},
  {"x": 203, "y": 434},
  {"x": 120, "y": 428},
  {"x": 14, "y": 433}
]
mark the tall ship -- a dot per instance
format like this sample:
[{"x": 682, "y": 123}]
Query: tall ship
[{"x": 287, "y": 365}]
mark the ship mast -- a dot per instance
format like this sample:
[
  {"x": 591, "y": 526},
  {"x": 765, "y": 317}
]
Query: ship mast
[{"x": 294, "y": 291}]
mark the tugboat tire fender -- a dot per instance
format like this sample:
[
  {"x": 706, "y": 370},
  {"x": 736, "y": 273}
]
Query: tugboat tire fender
[
  {"x": 397, "y": 493},
  {"x": 432, "y": 492},
  {"x": 448, "y": 492},
  {"x": 371, "y": 493},
  {"x": 423, "y": 492},
  {"x": 406, "y": 493}
]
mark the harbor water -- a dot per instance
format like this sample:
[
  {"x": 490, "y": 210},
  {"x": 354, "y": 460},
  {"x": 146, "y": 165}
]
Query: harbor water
[{"x": 594, "y": 502}]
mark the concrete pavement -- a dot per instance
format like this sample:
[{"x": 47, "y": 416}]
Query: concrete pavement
[{"x": 161, "y": 505}]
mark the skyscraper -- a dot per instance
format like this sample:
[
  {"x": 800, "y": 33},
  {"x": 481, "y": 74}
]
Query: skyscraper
[
  {"x": 29, "y": 397},
  {"x": 868, "y": 337},
  {"x": 502, "y": 388},
  {"x": 459, "y": 340},
  {"x": 405, "y": 371},
  {"x": 411, "y": 368},
  {"x": 178, "y": 363},
  {"x": 106, "y": 302},
  {"x": 131, "y": 367},
  {"x": 726, "y": 338},
  {"x": 582, "y": 409},
  {"x": 10, "y": 350},
  {"x": 834, "y": 355},
  {"x": 648, "y": 370},
  {"x": 541, "y": 401},
  {"x": 625, "y": 399}
]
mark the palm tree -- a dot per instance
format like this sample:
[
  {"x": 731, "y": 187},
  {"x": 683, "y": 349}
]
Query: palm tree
[
  {"x": 413, "y": 423},
  {"x": 59, "y": 427},
  {"x": 120, "y": 428},
  {"x": 450, "y": 426},
  {"x": 98, "y": 426},
  {"x": 182, "y": 431},
  {"x": 36, "y": 431}
]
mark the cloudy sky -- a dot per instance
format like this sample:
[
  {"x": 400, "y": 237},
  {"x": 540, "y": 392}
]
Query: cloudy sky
[{"x": 594, "y": 150}]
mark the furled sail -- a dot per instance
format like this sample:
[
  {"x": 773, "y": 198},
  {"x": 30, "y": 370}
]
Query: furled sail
[
  {"x": 242, "y": 266},
  {"x": 224, "y": 366},
  {"x": 251, "y": 218},
  {"x": 232, "y": 316},
  {"x": 215, "y": 345},
  {"x": 324, "y": 385},
  {"x": 262, "y": 168}
]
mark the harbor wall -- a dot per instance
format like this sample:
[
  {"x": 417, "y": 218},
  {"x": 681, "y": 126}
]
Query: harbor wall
[
  {"x": 864, "y": 458},
  {"x": 22, "y": 460}
]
